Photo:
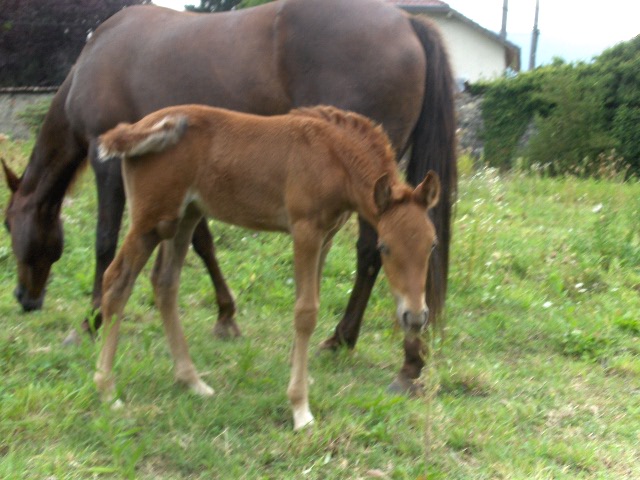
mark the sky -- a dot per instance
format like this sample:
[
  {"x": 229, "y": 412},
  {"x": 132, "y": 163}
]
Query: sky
[{"x": 575, "y": 30}]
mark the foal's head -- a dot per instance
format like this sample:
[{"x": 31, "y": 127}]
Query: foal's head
[{"x": 406, "y": 238}]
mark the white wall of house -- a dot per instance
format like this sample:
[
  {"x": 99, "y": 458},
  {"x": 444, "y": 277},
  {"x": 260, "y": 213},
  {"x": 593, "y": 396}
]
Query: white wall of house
[{"x": 474, "y": 55}]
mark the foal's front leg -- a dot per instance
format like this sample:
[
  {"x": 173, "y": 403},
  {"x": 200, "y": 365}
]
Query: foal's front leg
[
  {"x": 166, "y": 282},
  {"x": 307, "y": 245},
  {"x": 118, "y": 283}
]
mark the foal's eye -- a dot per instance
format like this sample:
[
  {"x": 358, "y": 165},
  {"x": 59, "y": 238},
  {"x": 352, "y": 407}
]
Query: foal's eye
[{"x": 383, "y": 248}]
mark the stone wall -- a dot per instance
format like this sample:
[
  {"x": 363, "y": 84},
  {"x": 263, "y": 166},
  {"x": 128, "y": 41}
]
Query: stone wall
[
  {"x": 13, "y": 101},
  {"x": 470, "y": 124}
]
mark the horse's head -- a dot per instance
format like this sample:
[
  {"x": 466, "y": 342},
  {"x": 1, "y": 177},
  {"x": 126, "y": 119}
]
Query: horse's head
[
  {"x": 36, "y": 239},
  {"x": 406, "y": 238}
]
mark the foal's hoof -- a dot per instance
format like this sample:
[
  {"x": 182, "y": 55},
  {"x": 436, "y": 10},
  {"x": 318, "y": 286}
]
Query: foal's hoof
[
  {"x": 201, "y": 389},
  {"x": 302, "y": 419},
  {"x": 72, "y": 339},
  {"x": 405, "y": 386},
  {"x": 225, "y": 329}
]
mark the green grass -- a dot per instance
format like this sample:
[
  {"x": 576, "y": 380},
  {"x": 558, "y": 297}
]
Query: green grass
[{"x": 538, "y": 375}]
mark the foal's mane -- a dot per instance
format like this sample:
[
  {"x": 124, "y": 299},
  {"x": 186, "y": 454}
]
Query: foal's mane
[{"x": 358, "y": 127}]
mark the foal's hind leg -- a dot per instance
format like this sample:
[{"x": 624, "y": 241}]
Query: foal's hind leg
[
  {"x": 166, "y": 280},
  {"x": 118, "y": 283},
  {"x": 226, "y": 325}
]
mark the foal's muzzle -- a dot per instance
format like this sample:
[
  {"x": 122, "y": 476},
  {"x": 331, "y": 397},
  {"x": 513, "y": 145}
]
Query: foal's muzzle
[
  {"x": 414, "y": 322},
  {"x": 28, "y": 303}
]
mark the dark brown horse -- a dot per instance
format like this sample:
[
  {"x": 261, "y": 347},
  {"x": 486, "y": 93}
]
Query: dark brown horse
[
  {"x": 302, "y": 173},
  {"x": 361, "y": 55}
]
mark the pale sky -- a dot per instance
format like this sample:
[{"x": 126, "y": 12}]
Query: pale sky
[{"x": 572, "y": 29}]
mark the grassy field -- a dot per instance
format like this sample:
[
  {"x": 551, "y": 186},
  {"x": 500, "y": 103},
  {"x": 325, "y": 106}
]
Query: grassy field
[{"x": 538, "y": 375}]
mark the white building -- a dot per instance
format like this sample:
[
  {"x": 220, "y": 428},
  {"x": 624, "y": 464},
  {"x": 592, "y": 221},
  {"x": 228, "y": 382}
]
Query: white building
[{"x": 475, "y": 52}]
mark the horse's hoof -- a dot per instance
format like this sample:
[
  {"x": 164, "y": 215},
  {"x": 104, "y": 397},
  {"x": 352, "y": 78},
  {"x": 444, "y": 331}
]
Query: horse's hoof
[
  {"x": 331, "y": 344},
  {"x": 225, "y": 330},
  {"x": 73, "y": 339},
  {"x": 405, "y": 386}
]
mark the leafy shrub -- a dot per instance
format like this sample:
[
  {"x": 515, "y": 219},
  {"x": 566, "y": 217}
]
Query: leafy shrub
[
  {"x": 574, "y": 131},
  {"x": 507, "y": 109},
  {"x": 586, "y": 116}
]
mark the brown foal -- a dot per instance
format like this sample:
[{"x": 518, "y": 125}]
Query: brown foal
[{"x": 302, "y": 173}]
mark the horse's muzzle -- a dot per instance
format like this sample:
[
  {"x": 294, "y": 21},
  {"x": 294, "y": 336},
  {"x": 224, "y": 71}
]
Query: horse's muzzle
[{"x": 28, "y": 303}]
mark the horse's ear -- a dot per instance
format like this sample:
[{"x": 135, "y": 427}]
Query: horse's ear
[
  {"x": 428, "y": 192},
  {"x": 12, "y": 179},
  {"x": 382, "y": 193}
]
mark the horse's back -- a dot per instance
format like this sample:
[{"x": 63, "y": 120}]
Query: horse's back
[
  {"x": 361, "y": 55},
  {"x": 145, "y": 58}
]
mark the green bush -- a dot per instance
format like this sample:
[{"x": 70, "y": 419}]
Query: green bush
[
  {"x": 572, "y": 135},
  {"x": 504, "y": 124},
  {"x": 586, "y": 116}
]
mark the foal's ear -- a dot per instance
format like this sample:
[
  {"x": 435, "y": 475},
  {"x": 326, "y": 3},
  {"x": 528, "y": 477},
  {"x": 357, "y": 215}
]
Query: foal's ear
[
  {"x": 382, "y": 193},
  {"x": 12, "y": 179},
  {"x": 428, "y": 192}
]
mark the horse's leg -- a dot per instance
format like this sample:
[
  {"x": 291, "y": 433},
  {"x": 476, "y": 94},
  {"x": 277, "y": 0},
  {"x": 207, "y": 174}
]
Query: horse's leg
[
  {"x": 111, "y": 201},
  {"x": 203, "y": 245},
  {"x": 326, "y": 245},
  {"x": 414, "y": 360},
  {"x": 166, "y": 281},
  {"x": 368, "y": 266},
  {"x": 346, "y": 332},
  {"x": 118, "y": 283},
  {"x": 307, "y": 246}
]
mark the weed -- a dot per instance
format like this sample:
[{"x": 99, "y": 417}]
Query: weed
[
  {"x": 628, "y": 323},
  {"x": 585, "y": 345}
]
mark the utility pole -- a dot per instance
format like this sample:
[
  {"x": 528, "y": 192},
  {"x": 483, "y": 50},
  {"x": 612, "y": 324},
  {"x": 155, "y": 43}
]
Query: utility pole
[
  {"x": 503, "y": 30},
  {"x": 534, "y": 39}
]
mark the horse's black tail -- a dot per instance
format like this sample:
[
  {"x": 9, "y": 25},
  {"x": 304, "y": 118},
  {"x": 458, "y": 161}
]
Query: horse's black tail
[{"x": 434, "y": 148}]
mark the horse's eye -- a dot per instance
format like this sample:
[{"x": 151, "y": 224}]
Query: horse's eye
[{"x": 383, "y": 249}]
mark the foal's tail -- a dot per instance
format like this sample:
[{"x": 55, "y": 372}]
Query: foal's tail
[
  {"x": 130, "y": 140},
  {"x": 434, "y": 148}
]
